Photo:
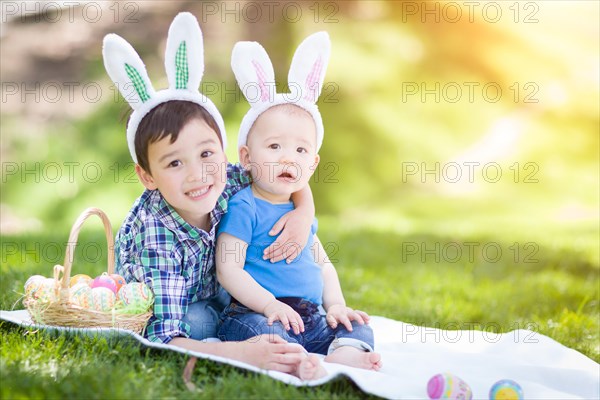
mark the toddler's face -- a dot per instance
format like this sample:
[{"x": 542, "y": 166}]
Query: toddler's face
[
  {"x": 281, "y": 153},
  {"x": 190, "y": 173}
]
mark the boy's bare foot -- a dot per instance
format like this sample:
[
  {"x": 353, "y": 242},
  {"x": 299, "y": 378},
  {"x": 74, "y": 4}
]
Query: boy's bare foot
[
  {"x": 310, "y": 368},
  {"x": 354, "y": 357}
]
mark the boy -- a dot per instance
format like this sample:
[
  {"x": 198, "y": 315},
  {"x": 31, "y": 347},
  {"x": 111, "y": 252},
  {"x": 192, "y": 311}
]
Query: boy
[
  {"x": 176, "y": 137},
  {"x": 278, "y": 144}
]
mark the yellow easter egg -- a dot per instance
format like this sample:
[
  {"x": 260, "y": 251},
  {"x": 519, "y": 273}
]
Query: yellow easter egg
[{"x": 79, "y": 278}]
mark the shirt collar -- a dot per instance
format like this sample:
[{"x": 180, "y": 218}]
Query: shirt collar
[{"x": 175, "y": 222}]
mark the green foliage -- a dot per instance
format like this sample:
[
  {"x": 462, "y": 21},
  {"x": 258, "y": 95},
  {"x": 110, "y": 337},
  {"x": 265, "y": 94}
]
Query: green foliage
[{"x": 394, "y": 236}]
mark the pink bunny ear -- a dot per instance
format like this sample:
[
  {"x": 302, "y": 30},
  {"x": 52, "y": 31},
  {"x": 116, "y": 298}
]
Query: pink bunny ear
[
  {"x": 309, "y": 64},
  {"x": 254, "y": 72},
  {"x": 261, "y": 80},
  {"x": 312, "y": 85}
]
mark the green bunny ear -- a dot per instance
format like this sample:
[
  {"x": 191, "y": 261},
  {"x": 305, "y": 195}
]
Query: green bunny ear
[
  {"x": 182, "y": 74},
  {"x": 138, "y": 83},
  {"x": 184, "y": 54}
]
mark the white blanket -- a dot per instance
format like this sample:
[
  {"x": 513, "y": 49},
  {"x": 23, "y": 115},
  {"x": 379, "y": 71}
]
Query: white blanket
[{"x": 411, "y": 355}]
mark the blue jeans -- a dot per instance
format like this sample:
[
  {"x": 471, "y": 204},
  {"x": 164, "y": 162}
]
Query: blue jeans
[
  {"x": 203, "y": 316},
  {"x": 240, "y": 323}
]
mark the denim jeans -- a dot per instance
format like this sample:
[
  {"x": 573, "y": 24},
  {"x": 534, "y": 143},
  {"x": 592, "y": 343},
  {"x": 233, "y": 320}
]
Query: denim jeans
[
  {"x": 203, "y": 316},
  {"x": 240, "y": 323}
]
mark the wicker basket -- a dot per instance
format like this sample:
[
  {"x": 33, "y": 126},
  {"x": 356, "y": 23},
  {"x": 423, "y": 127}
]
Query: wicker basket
[{"x": 65, "y": 313}]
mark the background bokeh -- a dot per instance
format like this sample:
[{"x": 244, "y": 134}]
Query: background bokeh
[{"x": 446, "y": 122}]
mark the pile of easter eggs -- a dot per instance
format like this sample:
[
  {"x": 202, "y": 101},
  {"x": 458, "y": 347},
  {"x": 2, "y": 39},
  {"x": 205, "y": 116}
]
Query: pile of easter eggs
[{"x": 103, "y": 293}]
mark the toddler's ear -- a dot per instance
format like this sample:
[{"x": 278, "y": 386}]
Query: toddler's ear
[
  {"x": 145, "y": 178},
  {"x": 313, "y": 168},
  {"x": 244, "y": 154}
]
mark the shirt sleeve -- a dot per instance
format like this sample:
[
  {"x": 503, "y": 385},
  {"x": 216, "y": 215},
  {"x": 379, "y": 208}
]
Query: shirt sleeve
[
  {"x": 239, "y": 219},
  {"x": 153, "y": 259},
  {"x": 237, "y": 179}
]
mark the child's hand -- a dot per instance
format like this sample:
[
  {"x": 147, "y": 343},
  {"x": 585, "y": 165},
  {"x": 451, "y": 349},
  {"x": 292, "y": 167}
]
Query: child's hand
[
  {"x": 270, "y": 352},
  {"x": 294, "y": 230},
  {"x": 338, "y": 313},
  {"x": 278, "y": 311}
]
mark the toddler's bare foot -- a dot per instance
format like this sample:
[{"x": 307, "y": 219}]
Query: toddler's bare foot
[
  {"x": 354, "y": 357},
  {"x": 310, "y": 368}
]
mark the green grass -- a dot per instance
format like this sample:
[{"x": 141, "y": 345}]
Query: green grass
[
  {"x": 43, "y": 365},
  {"x": 552, "y": 290}
]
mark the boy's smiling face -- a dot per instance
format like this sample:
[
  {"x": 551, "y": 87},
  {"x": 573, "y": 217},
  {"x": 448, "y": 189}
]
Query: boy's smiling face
[
  {"x": 281, "y": 152},
  {"x": 190, "y": 173}
]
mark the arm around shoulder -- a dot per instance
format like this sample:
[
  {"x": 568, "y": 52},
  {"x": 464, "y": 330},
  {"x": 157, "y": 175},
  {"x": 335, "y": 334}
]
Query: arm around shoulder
[{"x": 293, "y": 228}]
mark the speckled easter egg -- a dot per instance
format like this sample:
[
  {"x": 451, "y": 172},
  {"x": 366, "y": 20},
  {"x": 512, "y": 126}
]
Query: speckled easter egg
[
  {"x": 46, "y": 292},
  {"x": 80, "y": 278},
  {"x": 105, "y": 281},
  {"x": 136, "y": 295},
  {"x": 80, "y": 294},
  {"x": 32, "y": 284},
  {"x": 506, "y": 389},
  {"x": 119, "y": 281},
  {"x": 100, "y": 299}
]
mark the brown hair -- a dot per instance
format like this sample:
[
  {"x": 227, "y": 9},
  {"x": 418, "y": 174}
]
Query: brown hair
[{"x": 167, "y": 120}]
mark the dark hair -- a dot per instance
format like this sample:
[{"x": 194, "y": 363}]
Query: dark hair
[{"x": 167, "y": 120}]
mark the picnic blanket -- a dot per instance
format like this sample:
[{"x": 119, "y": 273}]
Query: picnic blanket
[{"x": 412, "y": 354}]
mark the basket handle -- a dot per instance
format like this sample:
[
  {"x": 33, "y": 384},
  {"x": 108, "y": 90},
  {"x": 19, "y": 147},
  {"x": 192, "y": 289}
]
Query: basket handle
[{"x": 73, "y": 242}]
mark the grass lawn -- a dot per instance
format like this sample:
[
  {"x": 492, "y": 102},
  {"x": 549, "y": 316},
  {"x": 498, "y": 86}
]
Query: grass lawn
[{"x": 449, "y": 275}]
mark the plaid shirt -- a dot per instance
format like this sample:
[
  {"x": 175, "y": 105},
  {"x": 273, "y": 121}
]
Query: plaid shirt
[{"x": 177, "y": 260}]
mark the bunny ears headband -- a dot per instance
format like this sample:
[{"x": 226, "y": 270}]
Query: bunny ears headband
[
  {"x": 184, "y": 63},
  {"x": 254, "y": 73}
]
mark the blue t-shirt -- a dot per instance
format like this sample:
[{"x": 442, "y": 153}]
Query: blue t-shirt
[{"x": 250, "y": 219}]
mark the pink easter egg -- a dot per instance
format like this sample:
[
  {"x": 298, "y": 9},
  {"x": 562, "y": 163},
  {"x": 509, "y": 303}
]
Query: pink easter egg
[
  {"x": 105, "y": 281},
  {"x": 448, "y": 386}
]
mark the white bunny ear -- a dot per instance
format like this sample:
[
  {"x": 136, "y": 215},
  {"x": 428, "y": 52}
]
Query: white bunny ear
[
  {"x": 127, "y": 71},
  {"x": 184, "y": 55},
  {"x": 309, "y": 64},
  {"x": 254, "y": 72}
]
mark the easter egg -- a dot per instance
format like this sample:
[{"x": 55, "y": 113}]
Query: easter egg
[
  {"x": 104, "y": 281},
  {"x": 100, "y": 299},
  {"x": 119, "y": 280},
  {"x": 32, "y": 284},
  {"x": 136, "y": 295},
  {"x": 448, "y": 386},
  {"x": 47, "y": 291},
  {"x": 79, "y": 294},
  {"x": 506, "y": 389},
  {"x": 79, "y": 278}
]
